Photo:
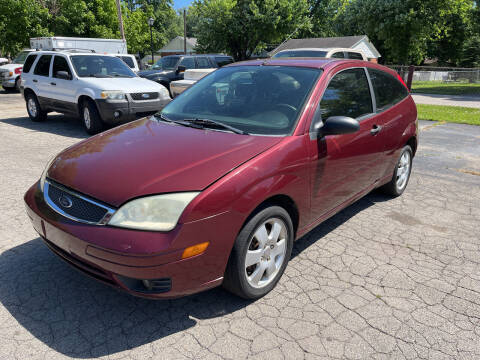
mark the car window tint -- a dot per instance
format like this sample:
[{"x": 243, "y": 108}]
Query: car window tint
[
  {"x": 348, "y": 94},
  {"x": 354, "y": 55},
  {"x": 60, "y": 64},
  {"x": 43, "y": 65},
  {"x": 128, "y": 60},
  {"x": 388, "y": 90},
  {"x": 188, "y": 62},
  {"x": 28, "y": 63},
  {"x": 222, "y": 61},
  {"x": 338, "y": 55},
  {"x": 203, "y": 63}
]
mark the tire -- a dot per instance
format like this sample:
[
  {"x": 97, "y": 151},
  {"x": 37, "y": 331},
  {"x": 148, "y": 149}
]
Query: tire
[
  {"x": 91, "y": 120},
  {"x": 9, "y": 89},
  {"x": 34, "y": 110},
  {"x": 269, "y": 262},
  {"x": 17, "y": 85},
  {"x": 401, "y": 174}
]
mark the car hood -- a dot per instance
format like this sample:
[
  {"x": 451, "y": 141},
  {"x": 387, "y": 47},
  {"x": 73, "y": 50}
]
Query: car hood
[
  {"x": 129, "y": 85},
  {"x": 10, "y": 67},
  {"x": 153, "y": 73},
  {"x": 151, "y": 157}
]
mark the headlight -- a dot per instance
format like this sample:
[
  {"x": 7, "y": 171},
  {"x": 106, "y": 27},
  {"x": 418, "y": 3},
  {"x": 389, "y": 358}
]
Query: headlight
[
  {"x": 164, "y": 94},
  {"x": 155, "y": 213},
  {"x": 112, "y": 95},
  {"x": 44, "y": 173}
]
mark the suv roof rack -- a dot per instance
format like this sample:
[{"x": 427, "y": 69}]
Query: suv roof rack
[{"x": 71, "y": 50}]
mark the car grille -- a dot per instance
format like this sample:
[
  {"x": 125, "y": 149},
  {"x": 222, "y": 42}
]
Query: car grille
[
  {"x": 144, "y": 96},
  {"x": 75, "y": 206},
  {"x": 4, "y": 73}
]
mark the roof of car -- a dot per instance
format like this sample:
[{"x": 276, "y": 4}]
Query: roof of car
[
  {"x": 318, "y": 63},
  {"x": 319, "y": 49},
  {"x": 74, "y": 52}
]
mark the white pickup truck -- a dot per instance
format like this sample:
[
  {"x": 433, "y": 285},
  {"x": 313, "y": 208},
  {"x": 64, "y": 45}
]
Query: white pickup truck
[
  {"x": 191, "y": 76},
  {"x": 10, "y": 73}
]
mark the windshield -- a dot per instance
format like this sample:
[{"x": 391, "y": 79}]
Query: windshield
[
  {"x": 100, "y": 66},
  {"x": 262, "y": 100},
  {"x": 20, "y": 59},
  {"x": 301, "y": 53},
  {"x": 166, "y": 63}
]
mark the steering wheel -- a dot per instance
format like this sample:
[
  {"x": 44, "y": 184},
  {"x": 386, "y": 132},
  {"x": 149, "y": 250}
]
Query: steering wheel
[{"x": 288, "y": 107}]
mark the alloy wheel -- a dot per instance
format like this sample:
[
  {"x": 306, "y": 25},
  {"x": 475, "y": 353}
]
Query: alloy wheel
[
  {"x": 266, "y": 252},
  {"x": 86, "y": 117},
  {"x": 403, "y": 170},
  {"x": 32, "y": 107}
]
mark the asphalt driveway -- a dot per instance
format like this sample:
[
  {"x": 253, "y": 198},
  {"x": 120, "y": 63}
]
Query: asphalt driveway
[{"x": 382, "y": 279}]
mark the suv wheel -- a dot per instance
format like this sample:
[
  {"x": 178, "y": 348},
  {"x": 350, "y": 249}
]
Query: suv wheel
[
  {"x": 401, "y": 175},
  {"x": 33, "y": 108},
  {"x": 260, "y": 254},
  {"x": 91, "y": 118}
]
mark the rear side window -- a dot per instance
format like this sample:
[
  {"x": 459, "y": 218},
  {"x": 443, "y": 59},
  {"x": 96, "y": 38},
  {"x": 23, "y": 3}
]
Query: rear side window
[
  {"x": 60, "y": 64},
  {"x": 348, "y": 94},
  {"x": 43, "y": 65},
  {"x": 203, "y": 63},
  {"x": 127, "y": 60},
  {"x": 222, "y": 61},
  {"x": 28, "y": 63},
  {"x": 388, "y": 90},
  {"x": 188, "y": 62},
  {"x": 354, "y": 55},
  {"x": 338, "y": 55}
]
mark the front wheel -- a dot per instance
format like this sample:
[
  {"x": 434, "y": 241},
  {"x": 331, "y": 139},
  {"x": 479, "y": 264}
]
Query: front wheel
[
  {"x": 91, "y": 119},
  {"x": 401, "y": 175},
  {"x": 260, "y": 253}
]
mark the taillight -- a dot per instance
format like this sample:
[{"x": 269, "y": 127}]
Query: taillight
[
  {"x": 18, "y": 70},
  {"x": 403, "y": 82}
]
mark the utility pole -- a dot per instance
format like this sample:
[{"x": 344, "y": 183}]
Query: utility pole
[
  {"x": 185, "y": 31},
  {"x": 120, "y": 20}
]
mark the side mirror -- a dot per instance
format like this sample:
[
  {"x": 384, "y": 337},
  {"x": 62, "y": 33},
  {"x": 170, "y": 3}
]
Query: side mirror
[
  {"x": 338, "y": 125},
  {"x": 63, "y": 75},
  {"x": 181, "y": 69}
]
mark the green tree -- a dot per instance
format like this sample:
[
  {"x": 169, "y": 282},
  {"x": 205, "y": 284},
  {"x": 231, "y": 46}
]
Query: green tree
[
  {"x": 242, "y": 27},
  {"x": 19, "y": 21}
]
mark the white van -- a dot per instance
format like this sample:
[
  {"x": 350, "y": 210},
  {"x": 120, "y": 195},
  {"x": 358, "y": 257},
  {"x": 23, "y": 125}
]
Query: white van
[
  {"x": 130, "y": 60},
  {"x": 338, "y": 53}
]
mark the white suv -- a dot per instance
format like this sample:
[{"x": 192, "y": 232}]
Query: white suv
[
  {"x": 99, "y": 88},
  {"x": 337, "y": 53}
]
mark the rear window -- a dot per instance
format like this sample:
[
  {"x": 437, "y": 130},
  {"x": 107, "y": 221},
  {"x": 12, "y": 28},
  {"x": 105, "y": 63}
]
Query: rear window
[
  {"x": 127, "y": 60},
  {"x": 338, "y": 55},
  {"x": 28, "y": 63},
  {"x": 388, "y": 90},
  {"x": 354, "y": 55},
  {"x": 43, "y": 65},
  {"x": 222, "y": 61}
]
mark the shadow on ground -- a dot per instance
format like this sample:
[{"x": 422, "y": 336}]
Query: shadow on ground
[
  {"x": 78, "y": 317},
  {"x": 55, "y": 124}
]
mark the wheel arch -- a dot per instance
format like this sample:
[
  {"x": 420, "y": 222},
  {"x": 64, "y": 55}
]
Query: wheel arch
[
  {"x": 80, "y": 100},
  {"x": 413, "y": 144}
]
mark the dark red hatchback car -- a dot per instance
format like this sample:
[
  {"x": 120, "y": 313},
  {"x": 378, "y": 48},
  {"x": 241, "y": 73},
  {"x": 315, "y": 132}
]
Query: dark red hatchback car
[{"x": 215, "y": 188}]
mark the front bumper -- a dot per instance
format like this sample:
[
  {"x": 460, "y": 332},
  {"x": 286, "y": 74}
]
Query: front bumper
[
  {"x": 121, "y": 111},
  {"x": 122, "y": 258},
  {"x": 179, "y": 86},
  {"x": 10, "y": 82}
]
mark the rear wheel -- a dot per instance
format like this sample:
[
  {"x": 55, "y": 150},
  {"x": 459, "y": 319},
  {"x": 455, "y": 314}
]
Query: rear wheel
[
  {"x": 33, "y": 108},
  {"x": 91, "y": 119},
  {"x": 260, "y": 254},
  {"x": 401, "y": 175}
]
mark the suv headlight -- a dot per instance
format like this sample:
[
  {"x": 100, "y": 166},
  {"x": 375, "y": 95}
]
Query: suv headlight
[
  {"x": 112, "y": 95},
  {"x": 154, "y": 213},
  {"x": 44, "y": 173}
]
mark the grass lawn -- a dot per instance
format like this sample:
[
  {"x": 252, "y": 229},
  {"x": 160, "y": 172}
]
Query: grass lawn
[
  {"x": 453, "y": 114},
  {"x": 438, "y": 87}
]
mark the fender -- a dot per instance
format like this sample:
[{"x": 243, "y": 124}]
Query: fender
[{"x": 85, "y": 92}]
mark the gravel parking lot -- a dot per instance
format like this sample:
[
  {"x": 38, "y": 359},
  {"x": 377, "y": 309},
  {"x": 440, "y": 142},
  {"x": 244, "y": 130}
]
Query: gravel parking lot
[{"x": 382, "y": 279}]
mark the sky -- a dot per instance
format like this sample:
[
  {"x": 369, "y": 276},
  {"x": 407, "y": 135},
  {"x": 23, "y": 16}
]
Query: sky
[{"x": 178, "y": 4}]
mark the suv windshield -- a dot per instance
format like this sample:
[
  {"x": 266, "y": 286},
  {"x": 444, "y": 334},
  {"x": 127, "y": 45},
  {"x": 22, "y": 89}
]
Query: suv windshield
[
  {"x": 262, "y": 100},
  {"x": 166, "y": 63},
  {"x": 20, "y": 59},
  {"x": 300, "y": 53},
  {"x": 100, "y": 66}
]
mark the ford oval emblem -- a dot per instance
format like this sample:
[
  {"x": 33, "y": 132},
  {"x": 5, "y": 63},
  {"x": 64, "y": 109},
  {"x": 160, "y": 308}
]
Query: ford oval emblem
[
  {"x": 145, "y": 96},
  {"x": 65, "y": 201}
]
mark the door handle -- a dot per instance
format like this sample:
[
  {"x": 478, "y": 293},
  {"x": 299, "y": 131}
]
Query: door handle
[
  {"x": 52, "y": 83},
  {"x": 376, "y": 129},
  {"x": 34, "y": 80}
]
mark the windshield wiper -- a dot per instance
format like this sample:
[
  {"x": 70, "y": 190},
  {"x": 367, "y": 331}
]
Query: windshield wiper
[
  {"x": 179, "y": 122},
  {"x": 214, "y": 123},
  {"x": 98, "y": 75}
]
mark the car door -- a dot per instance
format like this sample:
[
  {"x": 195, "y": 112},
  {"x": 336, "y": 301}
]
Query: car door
[
  {"x": 343, "y": 166},
  {"x": 41, "y": 80},
  {"x": 62, "y": 90}
]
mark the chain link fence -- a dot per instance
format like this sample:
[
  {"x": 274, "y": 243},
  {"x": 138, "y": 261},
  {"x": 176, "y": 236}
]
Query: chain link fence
[{"x": 439, "y": 74}]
